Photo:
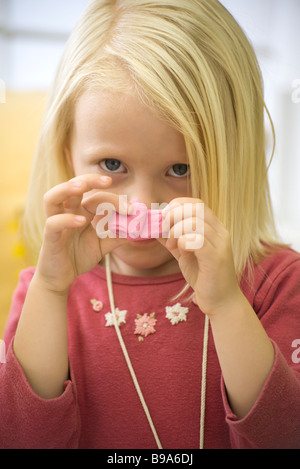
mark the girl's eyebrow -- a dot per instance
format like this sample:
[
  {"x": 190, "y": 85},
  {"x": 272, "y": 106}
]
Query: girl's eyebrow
[
  {"x": 101, "y": 151},
  {"x": 111, "y": 151}
]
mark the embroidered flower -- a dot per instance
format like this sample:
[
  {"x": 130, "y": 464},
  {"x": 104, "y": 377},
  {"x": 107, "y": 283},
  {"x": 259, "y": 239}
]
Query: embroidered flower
[
  {"x": 120, "y": 315},
  {"x": 97, "y": 305},
  {"x": 176, "y": 313},
  {"x": 144, "y": 325}
]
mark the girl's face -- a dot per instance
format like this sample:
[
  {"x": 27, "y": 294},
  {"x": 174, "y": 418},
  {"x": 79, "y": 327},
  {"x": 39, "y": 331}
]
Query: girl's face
[{"x": 117, "y": 135}]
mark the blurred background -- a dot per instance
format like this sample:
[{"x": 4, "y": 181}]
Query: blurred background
[{"x": 32, "y": 37}]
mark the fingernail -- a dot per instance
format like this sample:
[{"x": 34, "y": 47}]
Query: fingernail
[
  {"x": 105, "y": 179},
  {"x": 194, "y": 241},
  {"x": 79, "y": 220},
  {"x": 191, "y": 236}
]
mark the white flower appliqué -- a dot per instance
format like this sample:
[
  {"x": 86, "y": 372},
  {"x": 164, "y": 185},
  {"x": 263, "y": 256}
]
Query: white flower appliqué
[
  {"x": 120, "y": 318},
  {"x": 176, "y": 313}
]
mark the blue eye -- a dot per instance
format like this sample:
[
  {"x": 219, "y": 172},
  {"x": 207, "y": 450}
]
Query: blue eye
[
  {"x": 112, "y": 165},
  {"x": 179, "y": 170}
]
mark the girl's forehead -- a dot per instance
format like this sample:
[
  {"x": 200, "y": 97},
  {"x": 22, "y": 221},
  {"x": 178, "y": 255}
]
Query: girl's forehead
[
  {"x": 100, "y": 102},
  {"x": 111, "y": 118}
]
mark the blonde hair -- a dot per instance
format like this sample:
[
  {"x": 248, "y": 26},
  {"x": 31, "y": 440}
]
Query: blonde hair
[{"x": 191, "y": 62}]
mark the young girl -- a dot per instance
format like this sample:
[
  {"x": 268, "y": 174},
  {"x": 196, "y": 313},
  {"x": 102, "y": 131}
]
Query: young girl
[{"x": 115, "y": 343}]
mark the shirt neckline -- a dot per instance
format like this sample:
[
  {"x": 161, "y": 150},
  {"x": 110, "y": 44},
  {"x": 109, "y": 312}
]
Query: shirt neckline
[{"x": 134, "y": 280}]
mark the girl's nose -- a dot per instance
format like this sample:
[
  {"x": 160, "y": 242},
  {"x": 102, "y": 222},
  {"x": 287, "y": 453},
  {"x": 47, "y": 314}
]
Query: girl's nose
[{"x": 147, "y": 195}]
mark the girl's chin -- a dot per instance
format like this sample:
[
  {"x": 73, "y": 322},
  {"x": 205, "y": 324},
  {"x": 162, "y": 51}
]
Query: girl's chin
[{"x": 143, "y": 258}]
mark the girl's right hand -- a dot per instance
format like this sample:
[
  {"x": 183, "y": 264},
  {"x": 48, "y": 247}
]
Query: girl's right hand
[{"x": 71, "y": 246}]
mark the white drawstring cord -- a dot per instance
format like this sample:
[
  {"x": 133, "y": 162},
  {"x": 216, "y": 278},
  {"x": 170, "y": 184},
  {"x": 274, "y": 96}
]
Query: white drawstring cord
[
  {"x": 203, "y": 381},
  {"x": 132, "y": 373},
  {"x": 126, "y": 356}
]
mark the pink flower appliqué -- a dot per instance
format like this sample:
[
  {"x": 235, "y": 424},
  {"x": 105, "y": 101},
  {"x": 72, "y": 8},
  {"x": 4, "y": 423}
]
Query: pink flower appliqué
[
  {"x": 144, "y": 325},
  {"x": 97, "y": 305}
]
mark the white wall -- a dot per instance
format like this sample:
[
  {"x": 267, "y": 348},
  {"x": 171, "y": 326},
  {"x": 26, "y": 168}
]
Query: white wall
[
  {"x": 34, "y": 33},
  {"x": 273, "y": 28}
]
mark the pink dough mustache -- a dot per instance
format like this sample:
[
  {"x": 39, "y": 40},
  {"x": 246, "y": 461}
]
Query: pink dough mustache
[{"x": 142, "y": 224}]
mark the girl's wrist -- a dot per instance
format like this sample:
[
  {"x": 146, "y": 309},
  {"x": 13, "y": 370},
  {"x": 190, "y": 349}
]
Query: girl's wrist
[
  {"x": 231, "y": 311},
  {"x": 232, "y": 303},
  {"x": 43, "y": 285}
]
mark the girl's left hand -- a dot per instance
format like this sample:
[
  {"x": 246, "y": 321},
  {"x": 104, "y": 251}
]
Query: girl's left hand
[{"x": 205, "y": 259}]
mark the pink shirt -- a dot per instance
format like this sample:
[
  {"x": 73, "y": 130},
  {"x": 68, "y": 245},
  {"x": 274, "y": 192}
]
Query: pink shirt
[{"x": 100, "y": 407}]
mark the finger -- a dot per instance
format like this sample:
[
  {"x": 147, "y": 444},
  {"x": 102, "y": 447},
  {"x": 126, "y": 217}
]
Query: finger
[
  {"x": 179, "y": 201},
  {"x": 110, "y": 244},
  {"x": 101, "y": 201},
  {"x": 206, "y": 235},
  {"x": 74, "y": 189},
  {"x": 101, "y": 226},
  {"x": 190, "y": 242},
  {"x": 180, "y": 212},
  {"x": 57, "y": 224},
  {"x": 183, "y": 207},
  {"x": 190, "y": 225},
  {"x": 72, "y": 203}
]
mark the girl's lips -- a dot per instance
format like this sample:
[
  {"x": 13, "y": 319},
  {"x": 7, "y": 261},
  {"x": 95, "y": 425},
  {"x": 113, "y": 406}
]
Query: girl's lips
[{"x": 142, "y": 241}]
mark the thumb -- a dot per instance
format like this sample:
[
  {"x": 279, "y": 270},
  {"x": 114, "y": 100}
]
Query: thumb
[
  {"x": 107, "y": 239},
  {"x": 110, "y": 244}
]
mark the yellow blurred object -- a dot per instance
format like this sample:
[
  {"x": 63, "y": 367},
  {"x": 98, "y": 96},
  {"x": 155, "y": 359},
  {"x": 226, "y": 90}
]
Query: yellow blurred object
[
  {"x": 19, "y": 250},
  {"x": 20, "y": 120}
]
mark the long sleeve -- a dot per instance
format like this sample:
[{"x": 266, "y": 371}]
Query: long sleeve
[
  {"x": 167, "y": 363},
  {"x": 274, "y": 420},
  {"x": 26, "y": 420}
]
